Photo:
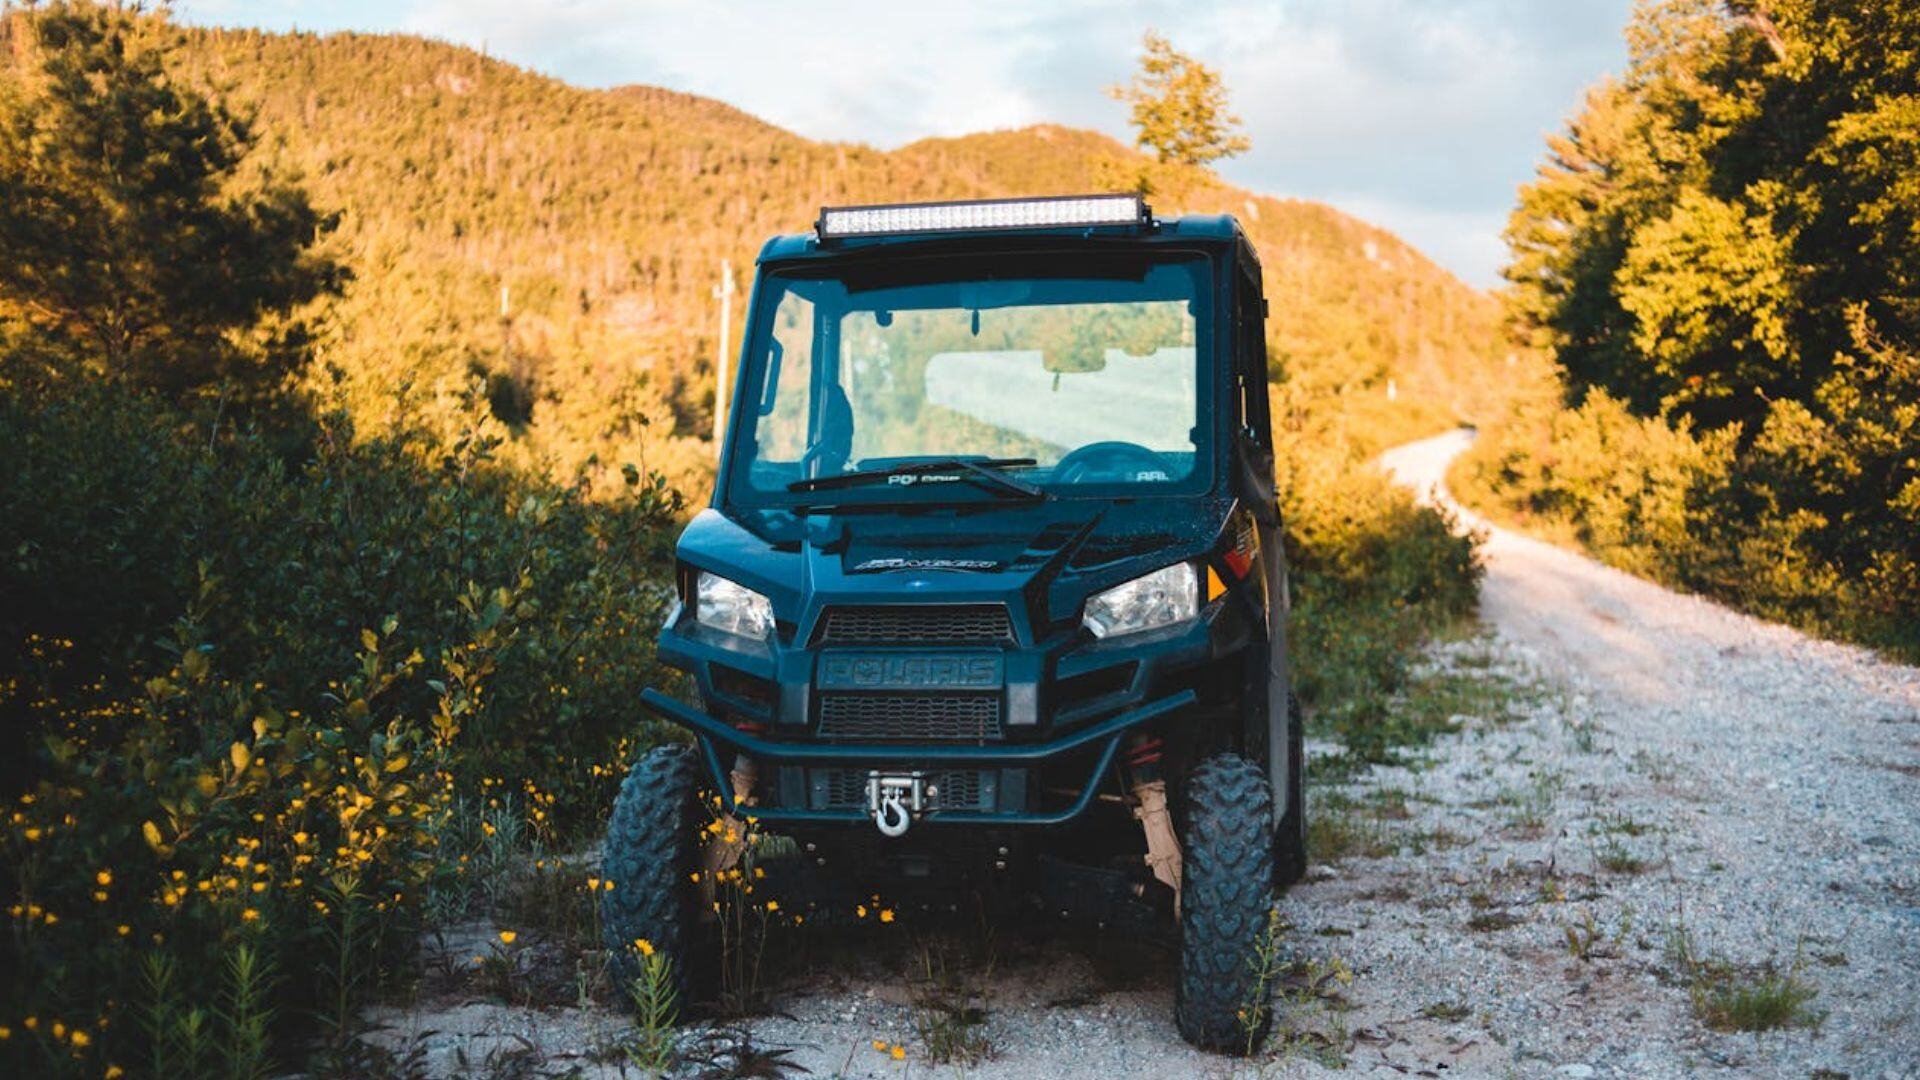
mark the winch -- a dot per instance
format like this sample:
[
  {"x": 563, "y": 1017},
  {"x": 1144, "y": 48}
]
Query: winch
[{"x": 895, "y": 800}]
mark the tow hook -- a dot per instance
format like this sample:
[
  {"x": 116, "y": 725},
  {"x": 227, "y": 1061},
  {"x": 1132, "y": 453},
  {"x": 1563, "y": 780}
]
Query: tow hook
[{"x": 895, "y": 800}]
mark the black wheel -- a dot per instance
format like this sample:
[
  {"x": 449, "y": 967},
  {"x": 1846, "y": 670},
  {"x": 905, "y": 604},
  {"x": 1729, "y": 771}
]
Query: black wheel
[
  {"x": 1290, "y": 840},
  {"x": 648, "y": 858},
  {"x": 1226, "y": 891}
]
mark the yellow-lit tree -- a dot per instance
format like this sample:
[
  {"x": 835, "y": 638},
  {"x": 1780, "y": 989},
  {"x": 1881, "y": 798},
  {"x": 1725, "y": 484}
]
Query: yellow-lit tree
[
  {"x": 1179, "y": 107},
  {"x": 133, "y": 236}
]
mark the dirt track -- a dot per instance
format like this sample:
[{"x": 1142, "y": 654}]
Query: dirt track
[{"x": 1673, "y": 801}]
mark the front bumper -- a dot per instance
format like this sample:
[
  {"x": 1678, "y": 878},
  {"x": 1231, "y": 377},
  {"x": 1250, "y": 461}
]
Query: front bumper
[{"x": 1103, "y": 738}]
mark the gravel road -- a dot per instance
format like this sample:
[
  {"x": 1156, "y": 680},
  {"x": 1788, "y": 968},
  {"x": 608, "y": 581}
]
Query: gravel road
[{"x": 1667, "y": 803}]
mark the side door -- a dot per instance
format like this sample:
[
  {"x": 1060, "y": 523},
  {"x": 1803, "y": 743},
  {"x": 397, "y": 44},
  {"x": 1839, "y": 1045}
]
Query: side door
[{"x": 1254, "y": 451}]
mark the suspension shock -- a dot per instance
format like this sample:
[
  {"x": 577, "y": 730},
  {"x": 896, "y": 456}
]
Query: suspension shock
[{"x": 1148, "y": 787}]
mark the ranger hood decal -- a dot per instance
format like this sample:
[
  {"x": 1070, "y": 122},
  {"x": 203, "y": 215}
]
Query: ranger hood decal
[{"x": 871, "y": 565}]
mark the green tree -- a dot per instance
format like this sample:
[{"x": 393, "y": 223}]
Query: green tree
[
  {"x": 1725, "y": 245},
  {"x": 1708, "y": 287},
  {"x": 136, "y": 236},
  {"x": 1696, "y": 237},
  {"x": 1179, "y": 107}
]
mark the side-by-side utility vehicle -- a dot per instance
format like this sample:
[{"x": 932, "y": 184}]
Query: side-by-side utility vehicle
[{"x": 990, "y": 598}]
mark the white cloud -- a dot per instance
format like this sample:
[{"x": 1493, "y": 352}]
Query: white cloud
[{"x": 870, "y": 73}]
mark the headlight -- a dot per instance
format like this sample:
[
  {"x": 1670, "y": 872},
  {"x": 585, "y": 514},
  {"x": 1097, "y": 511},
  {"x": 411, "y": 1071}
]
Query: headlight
[
  {"x": 1161, "y": 598},
  {"x": 723, "y": 605}
]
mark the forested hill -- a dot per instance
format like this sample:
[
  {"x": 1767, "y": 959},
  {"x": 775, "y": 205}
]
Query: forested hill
[{"x": 605, "y": 214}]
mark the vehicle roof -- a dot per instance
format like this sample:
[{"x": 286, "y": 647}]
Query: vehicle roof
[{"x": 1188, "y": 229}]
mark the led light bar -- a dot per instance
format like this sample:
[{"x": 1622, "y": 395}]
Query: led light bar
[{"x": 982, "y": 215}]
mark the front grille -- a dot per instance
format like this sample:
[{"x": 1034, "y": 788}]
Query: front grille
[
  {"x": 912, "y": 717},
  {"x": 950, "y": 789},
  {"x": 915, "y": 624}
]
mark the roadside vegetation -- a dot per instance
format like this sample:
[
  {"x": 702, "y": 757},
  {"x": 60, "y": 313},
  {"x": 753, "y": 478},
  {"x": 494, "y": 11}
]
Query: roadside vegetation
[
  {"x": 1721, "y": 253},
  {"x": 323, "y": 606}
]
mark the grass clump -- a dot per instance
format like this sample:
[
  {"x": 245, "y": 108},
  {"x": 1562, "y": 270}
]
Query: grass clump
[
  {"x": 1614, "y": 857},
  {"x": 949, "y": 1009},
  {"x": 1734, "y": 997},
  {"x": 1336, "y": 831},
  {"x": 1760, "y": 1000}
]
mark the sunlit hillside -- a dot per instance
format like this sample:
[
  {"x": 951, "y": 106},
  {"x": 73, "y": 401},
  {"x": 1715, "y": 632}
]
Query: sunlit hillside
[{"x": 599, "y": 220}]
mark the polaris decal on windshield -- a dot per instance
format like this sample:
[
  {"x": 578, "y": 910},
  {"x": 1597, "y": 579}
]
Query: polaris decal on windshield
[
  {"x": 910, "y": 479},
  {"x": 926, "y": 564}
]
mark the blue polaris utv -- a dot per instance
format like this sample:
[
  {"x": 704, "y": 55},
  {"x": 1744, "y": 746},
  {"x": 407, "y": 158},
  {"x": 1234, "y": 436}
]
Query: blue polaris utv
[{"x": 991, "y": 592}]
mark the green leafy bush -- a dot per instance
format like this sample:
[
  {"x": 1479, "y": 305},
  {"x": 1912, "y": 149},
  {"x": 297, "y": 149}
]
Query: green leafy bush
[
  {"x": 242, "y": 696},
  {"x": 1374, "y": 575},
  {"x": 1809, "y": 521},
  {"x": 1599, "y": 476}
]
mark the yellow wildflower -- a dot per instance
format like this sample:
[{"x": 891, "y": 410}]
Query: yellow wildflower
[
  {"x": 643, "y": 946},
  {"x": 880, "y": 1045},
  {"x": 507, "y": 936},
  {"x": 886, "y": 915},
  {"x": 898, "y": 1053},
  {"x": 104, "y": 878},
  {"x": 773, "y": 906},
  {"x": 115, "y": 1072},
  {"x": 81, "y": 1039},
  {"x": 249, "y": 915}
]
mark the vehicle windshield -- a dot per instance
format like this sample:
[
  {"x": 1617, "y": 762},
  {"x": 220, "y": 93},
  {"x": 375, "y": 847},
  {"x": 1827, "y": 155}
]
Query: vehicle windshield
[{"x": 1084, "y": 379}]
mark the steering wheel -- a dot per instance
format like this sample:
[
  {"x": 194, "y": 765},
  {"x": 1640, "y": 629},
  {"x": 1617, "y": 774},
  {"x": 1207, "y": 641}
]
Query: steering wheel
[{"x": 1110, "y": 462}]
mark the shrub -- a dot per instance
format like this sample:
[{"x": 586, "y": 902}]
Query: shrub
[
  {"x": 243, "y": 695},
  {"x": 1374, "y": 575},
  {"x": 1809, "y": 520},
  {"x": 1619, "y": 483}
]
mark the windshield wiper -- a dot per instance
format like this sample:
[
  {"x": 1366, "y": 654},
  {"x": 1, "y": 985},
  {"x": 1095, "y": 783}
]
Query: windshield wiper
[{"x": 913, "y": 472}]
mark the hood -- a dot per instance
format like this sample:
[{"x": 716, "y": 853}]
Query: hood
[{"x": 1044, "y": 558}]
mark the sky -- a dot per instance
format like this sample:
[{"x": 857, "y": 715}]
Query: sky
[{"x": 1422, "y": 116}]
